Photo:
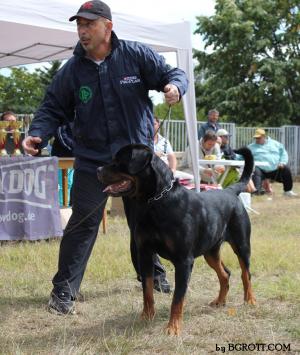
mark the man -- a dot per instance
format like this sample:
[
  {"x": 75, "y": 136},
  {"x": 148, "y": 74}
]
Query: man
[
  {"x": 163, "y": 148},
  {"x": 10, "y": 116},
  {"x": 226, "y": 149},
  {"x": 212, "y": 123},
  {"x": 266, "y": 149},
  {"x": 209, "y": 148},
  {"x": 104, "y": 86},
  {"x": 228, "y": 153}
]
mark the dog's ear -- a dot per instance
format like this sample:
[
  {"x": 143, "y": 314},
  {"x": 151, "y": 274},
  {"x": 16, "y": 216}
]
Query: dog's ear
[{"x": 140, "y": 158}]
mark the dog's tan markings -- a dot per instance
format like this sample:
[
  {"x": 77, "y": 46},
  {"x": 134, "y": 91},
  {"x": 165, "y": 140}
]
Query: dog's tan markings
[
  {"x": 174, "y": 325},
  {"x": 148, "y": 311},
  {"x": 248, "y": 292},
  {"x": 215, "y": 263}
]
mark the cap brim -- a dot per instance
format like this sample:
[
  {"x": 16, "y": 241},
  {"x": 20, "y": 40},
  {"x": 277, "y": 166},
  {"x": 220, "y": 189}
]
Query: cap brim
[
  {"x": 86, "y": 15},
  {"x": 258, "y": 136}
]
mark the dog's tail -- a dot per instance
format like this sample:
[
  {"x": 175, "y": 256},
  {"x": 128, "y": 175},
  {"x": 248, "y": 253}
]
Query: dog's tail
[{"x": 241, "y": 185}]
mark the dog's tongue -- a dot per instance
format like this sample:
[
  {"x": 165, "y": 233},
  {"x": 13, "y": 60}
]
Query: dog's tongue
[{"x": 117, "y": 187}]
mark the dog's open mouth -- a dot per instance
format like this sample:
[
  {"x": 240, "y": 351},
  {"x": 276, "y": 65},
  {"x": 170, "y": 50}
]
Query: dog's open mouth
[{"x": 119, "y": 188}]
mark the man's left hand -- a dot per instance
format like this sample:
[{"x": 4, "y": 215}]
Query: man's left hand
[{"x": 172, "y": 95}]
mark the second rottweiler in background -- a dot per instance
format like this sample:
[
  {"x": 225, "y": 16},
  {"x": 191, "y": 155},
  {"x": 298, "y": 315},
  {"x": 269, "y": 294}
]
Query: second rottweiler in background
[{"x": 181, "y": 225}]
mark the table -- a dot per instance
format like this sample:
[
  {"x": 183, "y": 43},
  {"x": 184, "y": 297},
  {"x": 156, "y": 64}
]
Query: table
[
  {"x": 228, "y": 164},
  {"x": 64, "y": 164}
]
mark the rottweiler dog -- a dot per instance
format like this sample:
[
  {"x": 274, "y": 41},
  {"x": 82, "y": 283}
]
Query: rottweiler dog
[{"x": 180, "y": 224}]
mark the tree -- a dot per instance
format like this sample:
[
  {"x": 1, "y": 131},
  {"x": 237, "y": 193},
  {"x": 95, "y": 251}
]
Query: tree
[
  {"x": 47, "y": 74},
  {"x": 21, "y": 92},
  {"x": 161, "y": 111},
  {"x": 252, "y": 71}
]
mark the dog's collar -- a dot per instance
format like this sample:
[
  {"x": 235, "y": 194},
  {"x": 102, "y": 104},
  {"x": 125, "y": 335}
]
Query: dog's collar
[{"x": 163, "y": 192}]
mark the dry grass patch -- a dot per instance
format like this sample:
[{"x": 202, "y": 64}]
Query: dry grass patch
[{"x": 108, "y": 321}]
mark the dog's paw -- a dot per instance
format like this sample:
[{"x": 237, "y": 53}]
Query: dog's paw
[
  {"x": 251, "y": 301},
  {"x": 249, "y": 298},
  {"x": 218, "y": 303},
  {"x": 173, "y": 328},
  {"x": 148, "y": 314}
]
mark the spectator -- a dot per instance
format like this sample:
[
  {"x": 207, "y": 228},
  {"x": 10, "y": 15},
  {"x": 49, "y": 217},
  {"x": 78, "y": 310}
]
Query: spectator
[
  {"x": 106, "y": 84},
  {"x": 212, "y": 123},
  {"x": 226, "y": 150},
  {"x": 163, "y": 148},
  {"x": 228, "y": 153},
  {"x": 209, "y": 149},
  {"x": 266, "y": 149},
  {"x": 10, "y": 145},
  {"x": 8, "y": 116}
]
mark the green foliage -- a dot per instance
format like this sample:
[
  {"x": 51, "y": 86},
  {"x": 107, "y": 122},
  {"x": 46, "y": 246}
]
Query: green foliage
[
  {"x": 22, "y": 91},
  {"x": 47, "y": 74},
  {"x": 251, "y": 69},
  {"x": 161, "y": 111}
]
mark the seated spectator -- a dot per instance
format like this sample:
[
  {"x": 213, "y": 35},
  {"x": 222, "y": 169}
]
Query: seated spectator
[
  {"x": 228, "y": 153},
  {"x": 163, "y": 148},
  {"x": 226, "y": 150},
  {"x": 266, "y": 149},
  {"x": 209, "y": 149},
  {"x": 8, "y": 116},
  {"x": 10, "y": 146},
  {"x": 212, "y": 123}
]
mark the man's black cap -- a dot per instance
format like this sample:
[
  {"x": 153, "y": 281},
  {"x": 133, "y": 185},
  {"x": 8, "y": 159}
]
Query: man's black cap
[{"x": 92, "y": 10}]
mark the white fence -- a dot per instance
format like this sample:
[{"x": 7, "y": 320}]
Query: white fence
[{"x": 242, "y": 136}]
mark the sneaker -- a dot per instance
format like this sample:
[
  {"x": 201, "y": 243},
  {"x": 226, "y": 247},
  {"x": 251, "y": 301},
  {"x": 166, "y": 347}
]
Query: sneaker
[
  {"x": 79, "y": 297},
  {"x": 61, "y": 304},
  {"x": 162, "y": 285},
  {"x": 290, "y": 193}
]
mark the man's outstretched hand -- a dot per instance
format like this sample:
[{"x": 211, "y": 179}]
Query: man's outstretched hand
[{"x": 30, "y": 145}]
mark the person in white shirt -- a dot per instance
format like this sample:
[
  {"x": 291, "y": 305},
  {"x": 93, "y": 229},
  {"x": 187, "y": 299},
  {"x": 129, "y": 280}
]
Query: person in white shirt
[
  {"x": 210, "y": 149},
  {"x": 163, "y": 148}
]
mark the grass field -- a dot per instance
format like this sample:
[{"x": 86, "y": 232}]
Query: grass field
[{"x": 108, "y": 321}]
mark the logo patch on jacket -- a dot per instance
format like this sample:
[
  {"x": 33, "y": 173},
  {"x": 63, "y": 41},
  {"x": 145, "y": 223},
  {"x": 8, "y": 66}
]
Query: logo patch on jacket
[
  {"x": 85, "y": 94},
  {"x": 130, "y": 80}
]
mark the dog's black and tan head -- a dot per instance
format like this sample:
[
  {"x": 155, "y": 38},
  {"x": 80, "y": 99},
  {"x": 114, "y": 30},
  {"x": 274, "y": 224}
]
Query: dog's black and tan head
[{"x": 135, "y": 172}]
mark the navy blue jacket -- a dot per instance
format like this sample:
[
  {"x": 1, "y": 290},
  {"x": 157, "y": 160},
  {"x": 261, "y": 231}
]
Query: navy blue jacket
[
  {"x": 208, "y": 126},
  {"x": 108, "y": 102}
]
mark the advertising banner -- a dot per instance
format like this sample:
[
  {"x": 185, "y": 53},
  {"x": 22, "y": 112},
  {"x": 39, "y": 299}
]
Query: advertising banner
[{"x": 29, "y": 208}]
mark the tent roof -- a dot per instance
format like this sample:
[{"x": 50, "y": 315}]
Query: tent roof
[
  {"x": 41, "y": 32},
  {"x": 33, "y": 31}
]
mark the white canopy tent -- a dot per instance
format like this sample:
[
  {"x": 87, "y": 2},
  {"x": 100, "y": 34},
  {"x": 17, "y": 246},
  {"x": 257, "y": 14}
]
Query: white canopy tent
[{"x": 33, "y": 31}]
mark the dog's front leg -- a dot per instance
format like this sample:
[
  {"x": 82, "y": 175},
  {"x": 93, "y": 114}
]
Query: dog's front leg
[
  {"x": 182, "y": 276},
  {"x": 146, "y": 267}
]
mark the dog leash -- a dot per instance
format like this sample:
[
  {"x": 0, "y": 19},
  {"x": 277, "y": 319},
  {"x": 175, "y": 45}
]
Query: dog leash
[
  {"x": 85, "y": 217},
  {"x": 168, "y": 118}
]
